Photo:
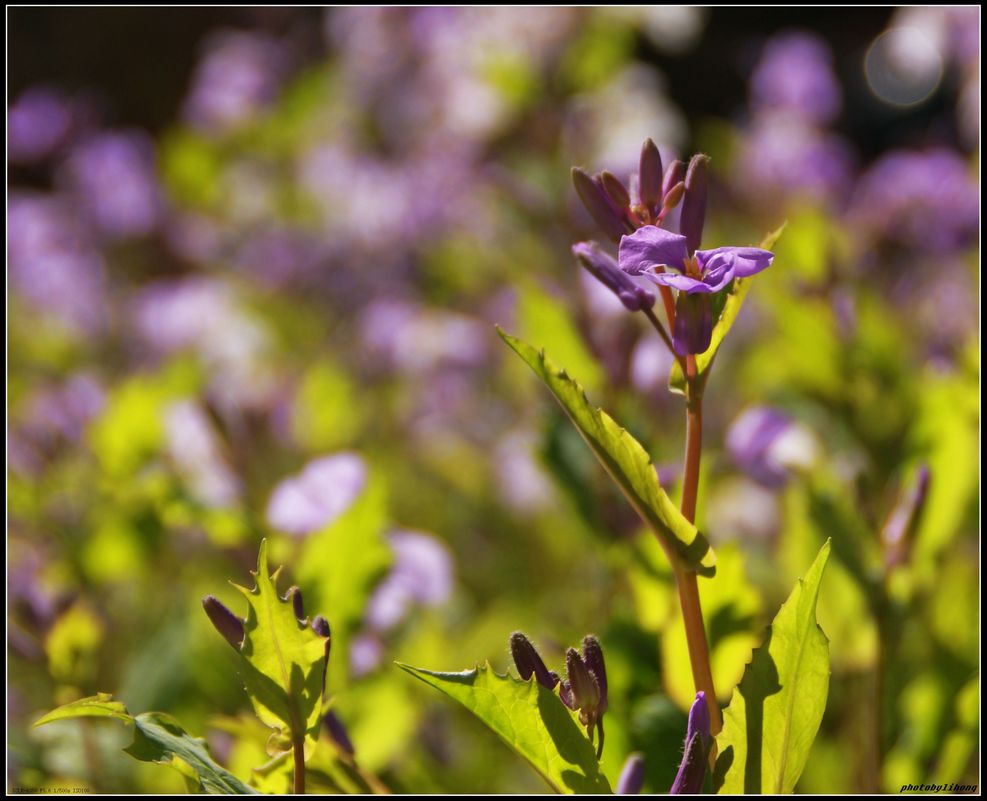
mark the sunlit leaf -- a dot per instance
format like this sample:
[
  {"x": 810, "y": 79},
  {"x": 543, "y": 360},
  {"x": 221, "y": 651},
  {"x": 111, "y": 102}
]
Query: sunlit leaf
[
  {"x": 158, "y": 738},
  {"x": 625, "y": 460},
  {"x": 776, "y": 710},
  {"x": 284, "y": 660},
  {"x": 731, "y": 308},
  {"x": 531, "y": 719}
]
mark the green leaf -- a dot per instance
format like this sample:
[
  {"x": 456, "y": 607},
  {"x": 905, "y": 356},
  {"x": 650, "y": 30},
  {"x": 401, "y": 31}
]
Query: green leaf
[
  {"x": 776, "y": 710},
  {"x": 731, "y": 308},
  {"x": 531, "y": 719},
  {"x": 284, "y": 661},
  {"x": 158, "y": 738},
  {"x": 100, "y": 705},
  {"x": 625, "y": 460}
]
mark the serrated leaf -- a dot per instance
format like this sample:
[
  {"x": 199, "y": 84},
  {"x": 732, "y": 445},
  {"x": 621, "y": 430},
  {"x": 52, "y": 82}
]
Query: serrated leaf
[
  {"x": 531, "y": 719},
  {"x": 776, "y": 710},
  {"x": 284, "y": 661},
  {"x": 625, "y": 460},
  {"x": 730, "y": 309},
  {"x": 158, "y": 738}
]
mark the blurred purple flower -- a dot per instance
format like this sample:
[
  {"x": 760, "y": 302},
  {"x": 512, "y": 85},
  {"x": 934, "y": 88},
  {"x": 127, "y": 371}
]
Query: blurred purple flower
[
  {"x": 795, "y": 74},
  {"x": 113, "y": 178},
  {"x": 631, "y": 780},
  {"x": 195, "y": 449},
  {"x": 38, "y": 124},
  {"x": 925, "y": 200},
  {"x": 312, "y": 499},
  {"x": 239, "y": 75},
  {"x": 52, "y": 261},
  {"x": 65, "y": 411},
  {"x": 782, "y": 157},
  {"x": 768, "y": 445},
  {"x": 415, "y": 339},
  {"x": 421, "y": 574},
  {"x": 366, "y": 653},
  {"x": 280, "y": 256}
]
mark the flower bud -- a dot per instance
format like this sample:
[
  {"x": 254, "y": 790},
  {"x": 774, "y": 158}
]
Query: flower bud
[
  {"x": 674, "y": 197},
  {"x": 529, "y": 662},
  {"x": 693, "y": 329},
  {"x": 226, "y": 623},
  {"x": 604, "y": 268},
  {"x": 583, "y": 689},
  {"x": 674, "y": 173},
  {"x": 650, "y": 176},
  {"x": 694, "y": 202},
  {"x": 337, "y": 732},
  {"x": 599, "y": 205},
  {"x": 692, "y": 770},
  {"x": 631, "y": 780},
  {"x": 593, "y": 657},
  {"x": 615, "y": 190},
  {"x": 321, "y": 626},
  {"x": 295, "y": 595}
]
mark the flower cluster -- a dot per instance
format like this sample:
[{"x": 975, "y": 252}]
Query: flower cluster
[{"x": 634, "y": 218}]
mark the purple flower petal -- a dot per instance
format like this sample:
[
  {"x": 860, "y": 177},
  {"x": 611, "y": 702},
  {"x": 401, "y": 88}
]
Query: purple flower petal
[
  {"x": 684, "y": 283},
  {"x": 649, "y": 247},
  {"x": 693, "y": 330},
  {"x": 741, "y": 262},
  {"x": 314, "y": 498}
]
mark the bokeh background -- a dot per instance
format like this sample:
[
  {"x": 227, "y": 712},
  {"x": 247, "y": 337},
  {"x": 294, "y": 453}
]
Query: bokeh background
[{"x": 254, "y": 261}]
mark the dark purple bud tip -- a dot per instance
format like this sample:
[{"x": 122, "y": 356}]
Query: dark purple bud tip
[
  {"x": 694, "y": 203},
  {"x": 321, "y": 626},
  {"x": 297, "y": 605},
  {"x": 583, "y": 687},
  {"x": 615, "y": 189},
  {"x": 337, "y": 732},
  {"x": 631, "y": 780},
  {"x": 226, "y": 623},
  {"x": 692, "y": 769},
  {"x": 604, "y": 268},
  {"x": 593, "y": 657},
  {"x": 650, "y": 175},
  {"x": 529, "y": 662},
  {"x": 601, "y": 208}
]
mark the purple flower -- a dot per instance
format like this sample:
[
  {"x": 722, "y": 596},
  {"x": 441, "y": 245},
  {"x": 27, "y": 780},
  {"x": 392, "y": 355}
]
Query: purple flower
[
  {"x": 631, "y": 779},
  {"x": 422, "y": 574},
  {"x": 37, "y": 125},
  {"x": 767, "y": 445},
  {"x": 315, "y": 497},
  {"x": 649, "y": 250},
  {"x": 240, "y": 75},
  {"x": 113, "y": 176},
  {"x": 692, "y": 770},
  {"x": 795, "y": 74}
]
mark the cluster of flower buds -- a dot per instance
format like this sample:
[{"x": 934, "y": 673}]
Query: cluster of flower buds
[
  {"x": 231, "y": 627},
  {"x": 652, "y": 194},
  {"x": 584, "y": 688},
  {"x": 633, "y": 218}
]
